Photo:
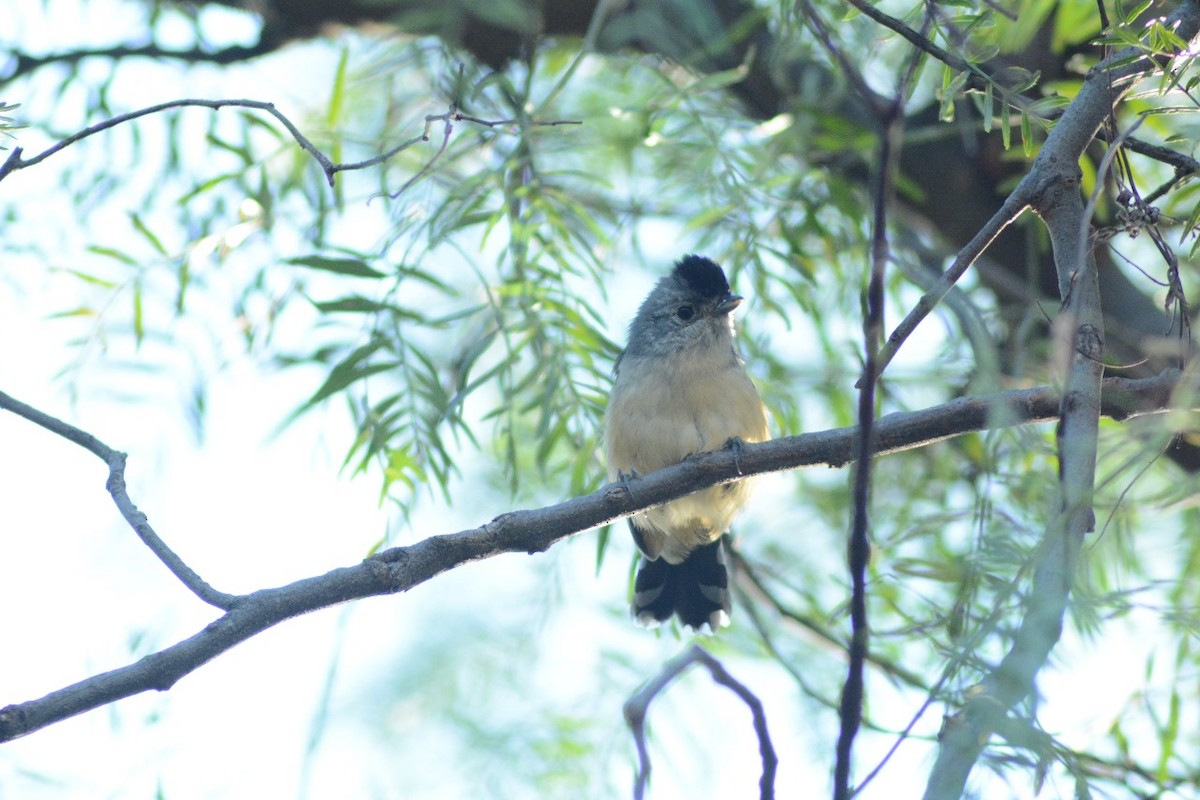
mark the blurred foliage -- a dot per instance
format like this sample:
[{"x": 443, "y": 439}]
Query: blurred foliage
[{"x": 466, "y": 299}]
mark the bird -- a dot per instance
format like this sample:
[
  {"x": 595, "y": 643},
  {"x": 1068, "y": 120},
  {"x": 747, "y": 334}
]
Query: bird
[{"x": 680, "y": 387}]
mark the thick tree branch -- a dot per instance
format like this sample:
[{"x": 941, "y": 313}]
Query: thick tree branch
[
  {"x": 1058, "y": 202},
  {"x": 531, "y": 531}
]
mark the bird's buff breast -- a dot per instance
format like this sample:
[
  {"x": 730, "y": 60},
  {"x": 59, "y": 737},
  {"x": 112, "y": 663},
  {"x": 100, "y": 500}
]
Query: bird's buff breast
[{"x": 669, "y": 415}]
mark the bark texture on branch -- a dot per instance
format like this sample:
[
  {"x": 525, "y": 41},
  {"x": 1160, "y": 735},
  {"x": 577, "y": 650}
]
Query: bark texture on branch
[
  {"x": 1055, "y": 177},
  {"x": 531, "y": 531}
]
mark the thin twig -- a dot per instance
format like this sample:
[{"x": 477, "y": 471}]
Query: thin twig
[
  {"x": 1013, "y": 207},
  {"x": 756, "y": 588},
  {"x": 116, "y": 487},
  {"x": 809, "y": 16},
  {"x": 16, "y": 162},
  {"x": 1114, "y": 150},
  {"x": 1183, "y": 164},
  {"x": 638, "y": 705},
  {"x": 448, "y": 128},
  {"x": 24, "y": 63},
  {"x": 915, "y": 38},
  {"x": 586, "y": 48}
]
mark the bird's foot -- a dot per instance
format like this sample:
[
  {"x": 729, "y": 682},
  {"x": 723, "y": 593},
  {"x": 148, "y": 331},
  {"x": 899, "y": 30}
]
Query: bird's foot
[
  {"x": 735, "y": 444},
  {"x": 624, "y": 478}
]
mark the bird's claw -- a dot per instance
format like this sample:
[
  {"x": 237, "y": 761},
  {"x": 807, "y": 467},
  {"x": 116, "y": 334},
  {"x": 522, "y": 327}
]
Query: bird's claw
[
  {"x": 735, "y": 443},
  {"x": 624, "y": 479}
]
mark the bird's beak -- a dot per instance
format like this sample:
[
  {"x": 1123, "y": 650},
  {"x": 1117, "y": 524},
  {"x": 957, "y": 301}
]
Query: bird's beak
[{"x": 730, "y": 302}]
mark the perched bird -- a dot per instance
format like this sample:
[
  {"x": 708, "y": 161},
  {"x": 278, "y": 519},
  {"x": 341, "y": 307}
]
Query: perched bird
[{"x": 680, "y": 388}]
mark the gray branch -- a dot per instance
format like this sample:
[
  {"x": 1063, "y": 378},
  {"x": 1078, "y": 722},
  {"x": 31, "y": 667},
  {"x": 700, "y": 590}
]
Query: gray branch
[
  {"x": 638, "y": 705},
  {"x": 532, "y": 531},
  {"x": 116, "y": 487},
  {"x": 17, "y": 161},
  {"x": 1053, "y": 186}
]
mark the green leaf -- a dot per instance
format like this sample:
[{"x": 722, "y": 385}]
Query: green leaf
[
  {"x": 337, "y": 95},
  {"x": 1018, "y": 79},
  {"x": 350, "y": 369},
  {"x": 114, "y": 254},
  {"x": 185, "y": 279},
  {"x": 353, "y": 304},
  {"x": 602, "y": 546},
  {"x": 1133, "y": 12},
  {"x": 353, "y": 267},
  {"x": 208, "y": 185},
  {"x": 139, "y": 321},
  {"x": 87, "y": 277},
  {"x": 1044, "y": 105},
  {"x": 81, "y": 311},
  {"x": 951, "y": 86},
  {"x": 335, "y": 122},
  {"x": 242, "y": 151},
  {"x": 708, "y": 217},
  {"x": 401, "y": 466},
  {"x": 989, "y": 108},
  {"x": 146, "y": 233}
]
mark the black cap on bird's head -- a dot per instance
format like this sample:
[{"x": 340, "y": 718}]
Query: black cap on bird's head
[
  {"x": 702, "y": 276},
  {"x": 688, "y": 308},
  {"x": 704, "y": 280}
]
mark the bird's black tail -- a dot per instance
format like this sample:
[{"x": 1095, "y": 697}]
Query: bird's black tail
[{"x": 697, "y": 590}]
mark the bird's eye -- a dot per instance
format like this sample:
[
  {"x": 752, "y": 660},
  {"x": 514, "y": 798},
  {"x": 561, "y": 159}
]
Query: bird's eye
[{"x": 685, "y": 313}]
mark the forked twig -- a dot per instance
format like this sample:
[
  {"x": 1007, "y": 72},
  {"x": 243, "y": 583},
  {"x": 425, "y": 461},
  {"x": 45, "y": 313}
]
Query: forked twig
[
  {"x": 116, "y": 487},
  {"x": 639, "y": 703}
]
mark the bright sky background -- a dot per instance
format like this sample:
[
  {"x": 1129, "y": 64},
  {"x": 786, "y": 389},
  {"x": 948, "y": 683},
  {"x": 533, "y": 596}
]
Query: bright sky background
[{"x": 250, "y": 508}]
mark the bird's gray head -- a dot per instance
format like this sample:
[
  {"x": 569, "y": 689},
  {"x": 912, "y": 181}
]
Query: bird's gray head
[{"x": 690, "y": 308}]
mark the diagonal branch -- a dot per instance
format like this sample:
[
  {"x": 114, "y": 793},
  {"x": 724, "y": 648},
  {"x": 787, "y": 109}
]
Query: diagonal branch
[
  {"x": 1007, "y": 214},
  {"x": 1080, "y": 325},
  {"x": 116, "y": 487},
  {"x": 917, "y": 39},
  {"x": 532, "y": 531}
]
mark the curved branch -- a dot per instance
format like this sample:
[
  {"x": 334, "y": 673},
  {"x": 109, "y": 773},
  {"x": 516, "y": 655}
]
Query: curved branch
[
  {"x": 638, "y": 704},
  {"x": 532, "y": 531}
]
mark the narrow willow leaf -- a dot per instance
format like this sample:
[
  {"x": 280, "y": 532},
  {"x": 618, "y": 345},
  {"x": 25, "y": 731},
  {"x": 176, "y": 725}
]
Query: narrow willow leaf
[
  {"x": 114, "y": 254},
  {"x": 343, "y": 266},
  {"x": 989, "y": 108},
  {"x": 139, "y": 320},
  {"x": 146, "y": 233}
]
